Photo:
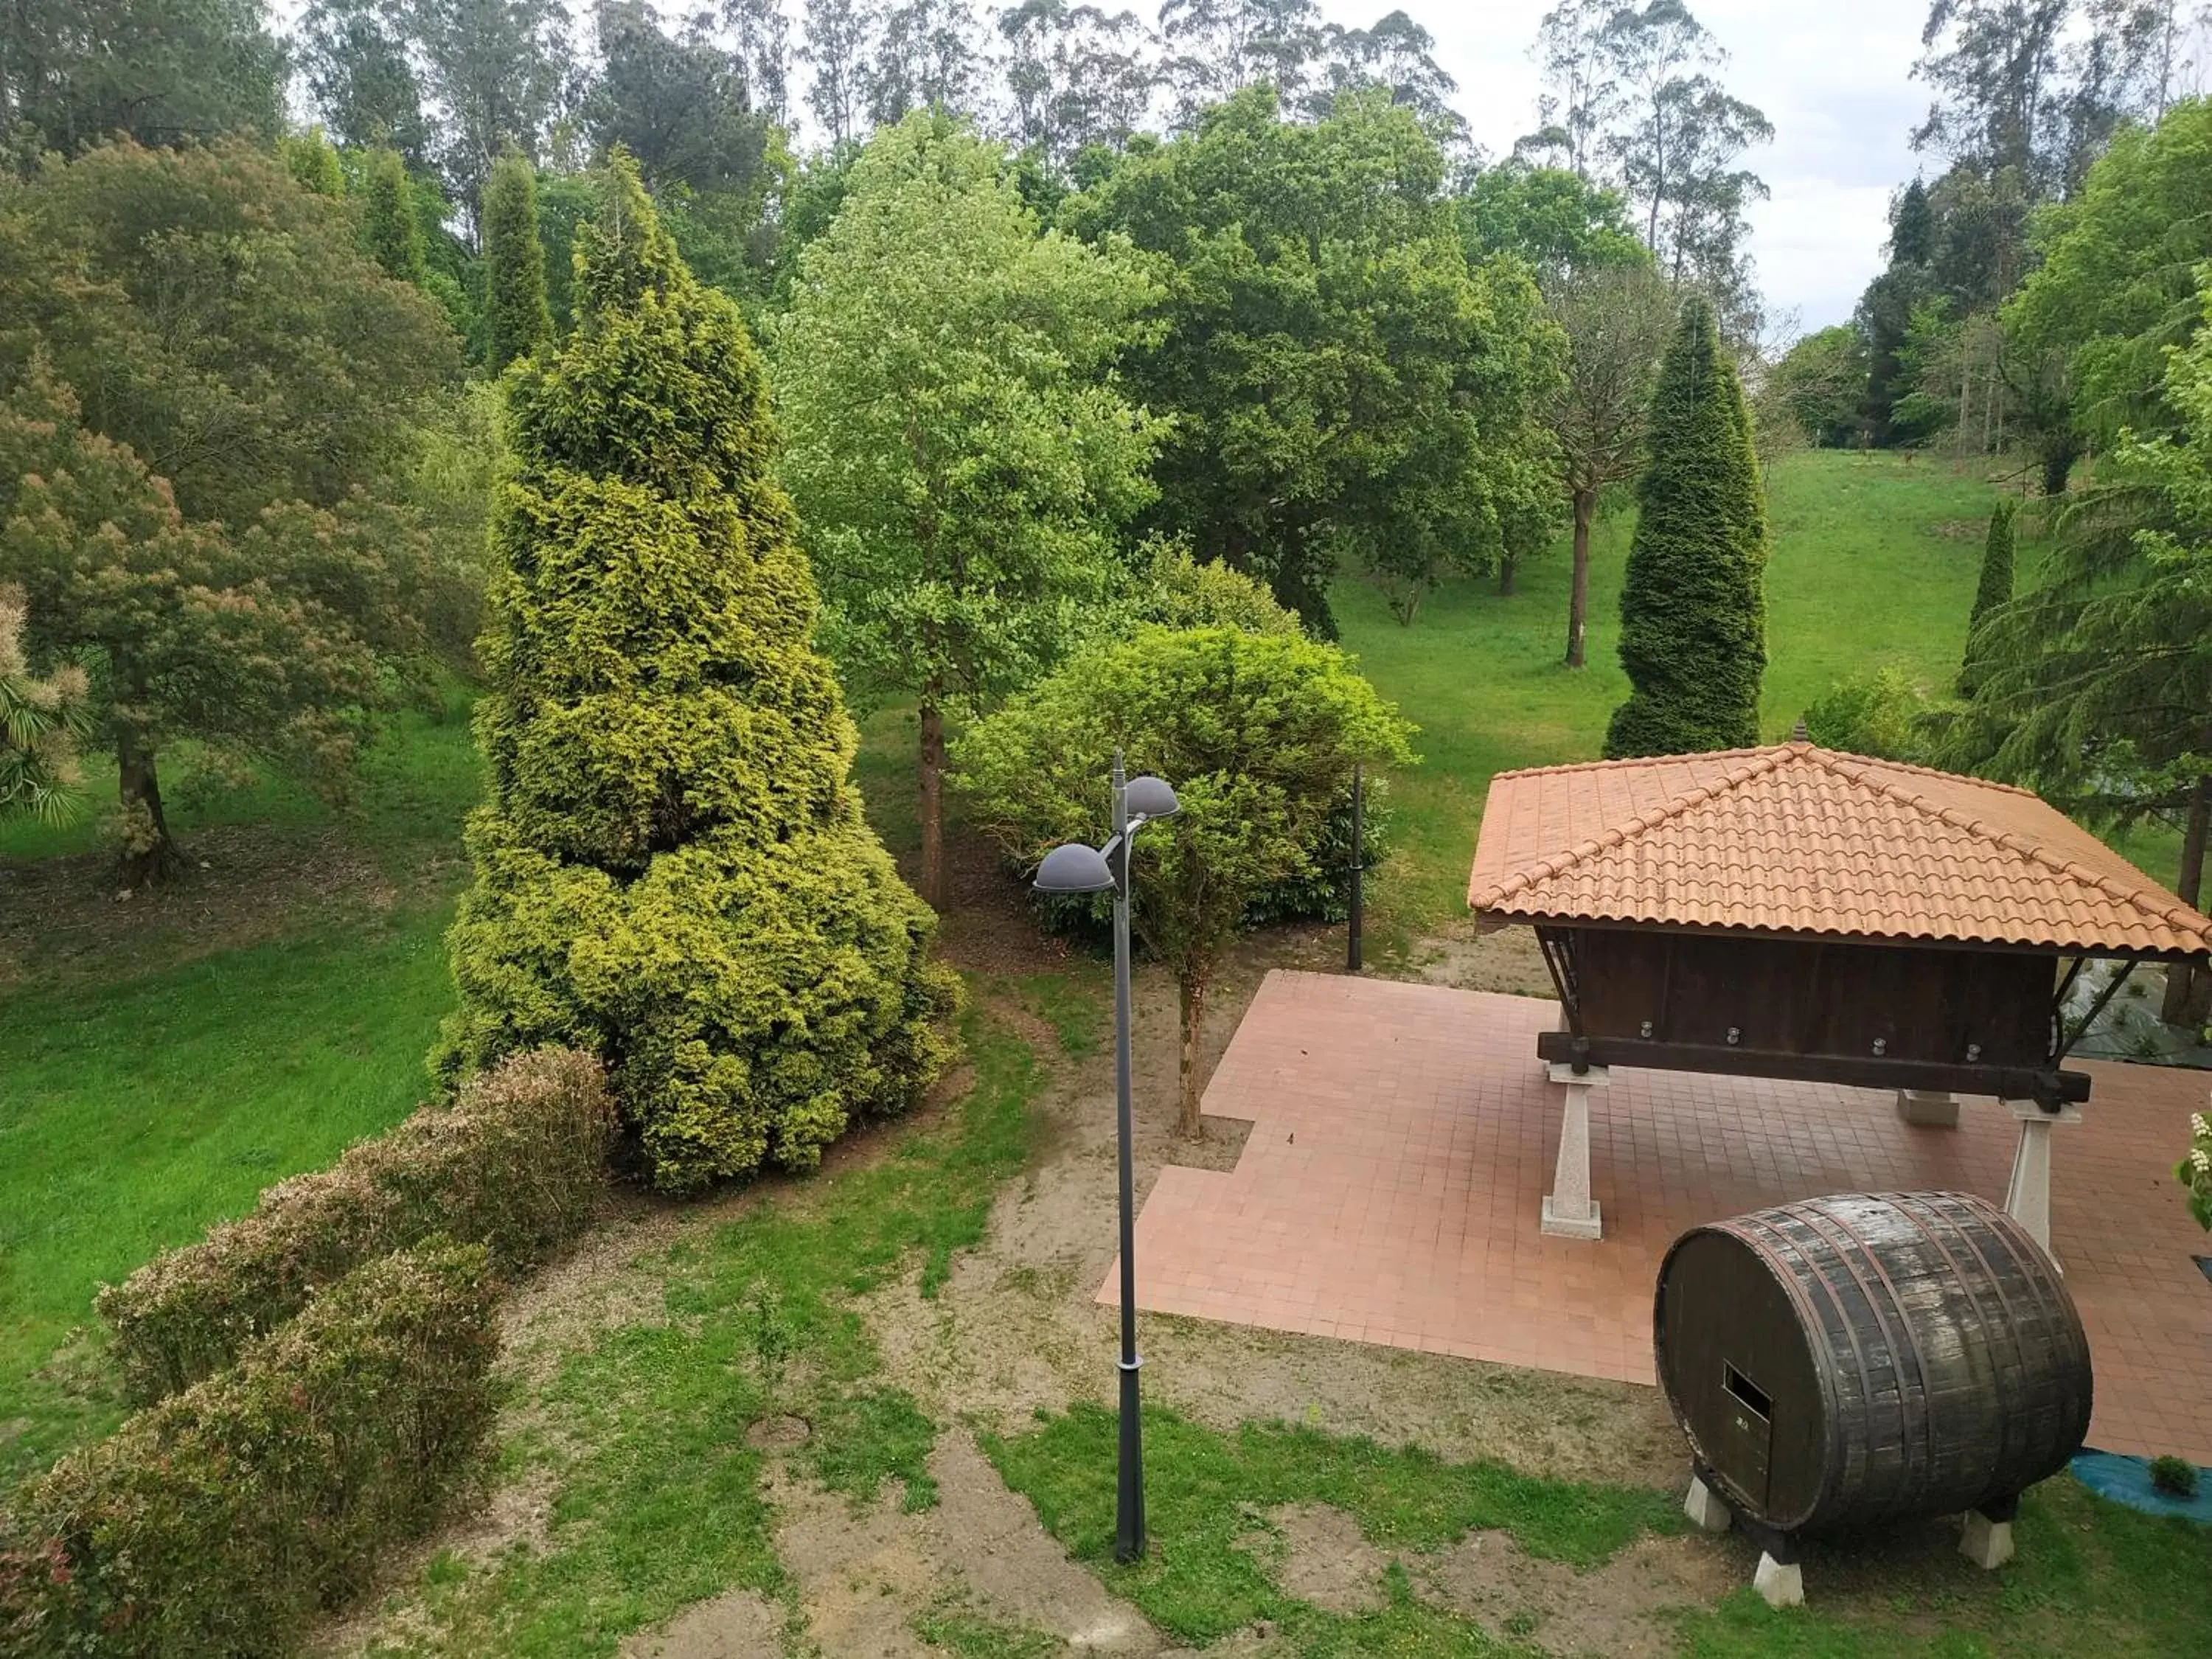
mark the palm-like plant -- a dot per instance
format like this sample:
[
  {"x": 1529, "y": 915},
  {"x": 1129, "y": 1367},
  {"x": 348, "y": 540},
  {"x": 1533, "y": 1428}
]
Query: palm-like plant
[{"x": 41, "y": 722}]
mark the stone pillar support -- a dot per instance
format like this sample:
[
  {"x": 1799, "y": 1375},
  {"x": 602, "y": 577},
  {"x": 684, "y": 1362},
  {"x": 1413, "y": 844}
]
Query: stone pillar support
[
  {"x": 1929, "y": 1109},
  {"x": 2027, "y": 1201},
  {"x": 1706, "y": 1509},
  {"x": 1570, "y": 1211},
  {"x": 1986, "y": 1542}
]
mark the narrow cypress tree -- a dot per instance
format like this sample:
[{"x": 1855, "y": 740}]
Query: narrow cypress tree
[
  {"x": 516, "y": 319},
  {"x": 1693, "y": 605},
  {"x": 391, "y": 228},
  {"x": 1995, "y": 588},
  {"x": 672, "y": 866}
]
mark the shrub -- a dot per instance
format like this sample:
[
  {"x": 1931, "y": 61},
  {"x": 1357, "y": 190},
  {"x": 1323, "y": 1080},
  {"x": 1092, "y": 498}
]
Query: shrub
[
  {"x": 218, "y": 1522},
  {"x": 673, "y": 870},
  {"x": 2174, "y": 1476},
  {"x": 1259, "y": 734},
  {"x": 1879, "y": 715},
  {"x": 515, "y": 1164}
]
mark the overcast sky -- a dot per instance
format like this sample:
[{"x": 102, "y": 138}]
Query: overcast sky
[{"x": 1835, "y": 79}]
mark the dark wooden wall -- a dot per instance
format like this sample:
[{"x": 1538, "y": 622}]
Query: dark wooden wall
[{"x": 1801, "y": 997}]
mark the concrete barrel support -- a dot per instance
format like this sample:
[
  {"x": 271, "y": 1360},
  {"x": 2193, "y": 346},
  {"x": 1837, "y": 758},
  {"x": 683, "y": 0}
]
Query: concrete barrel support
[
  {"x": 1570, "y": 1211},
  {"x": 2027, "y": 1201}
]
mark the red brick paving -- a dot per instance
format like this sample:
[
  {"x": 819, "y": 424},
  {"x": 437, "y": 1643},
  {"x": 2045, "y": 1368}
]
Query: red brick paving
[{"x": 1403, "y": 1138}]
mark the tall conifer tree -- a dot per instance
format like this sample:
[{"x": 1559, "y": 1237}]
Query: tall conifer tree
[
  {"x": 672, "y": 867},
  {"x": 391, "y": 228},
  {"x": 517, "y": 320},
  {"x": 1996, "y": 586},
  {"x": 1693, "y": 605}
]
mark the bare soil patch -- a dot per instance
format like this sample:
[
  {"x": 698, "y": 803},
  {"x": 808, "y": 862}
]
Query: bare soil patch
[
  {"x": 1616, "y": 1611},
  {"x": 1317, "y": 1554},
  {"x": 243, "y": 885},
  {"x": 1507, "y": 961}
]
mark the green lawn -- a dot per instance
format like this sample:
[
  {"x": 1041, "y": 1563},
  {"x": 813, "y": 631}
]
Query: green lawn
[
  {"x": 139, "y": 1105},
  {"x": 1874, "y": 564}
]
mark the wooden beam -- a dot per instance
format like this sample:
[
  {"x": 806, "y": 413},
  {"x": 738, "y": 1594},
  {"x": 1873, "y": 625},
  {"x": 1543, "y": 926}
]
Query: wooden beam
[
  {"x": 2051, "y": 1088},
  {"x": 1491, "y": 921}
]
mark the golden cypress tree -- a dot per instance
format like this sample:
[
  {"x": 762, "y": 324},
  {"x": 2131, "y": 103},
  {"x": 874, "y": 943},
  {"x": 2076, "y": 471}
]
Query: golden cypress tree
[{"x": 672, "y": 869}]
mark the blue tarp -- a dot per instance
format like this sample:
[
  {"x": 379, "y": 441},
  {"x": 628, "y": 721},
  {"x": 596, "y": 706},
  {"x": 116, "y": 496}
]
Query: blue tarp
[{"x": 2127, "y": 1480}]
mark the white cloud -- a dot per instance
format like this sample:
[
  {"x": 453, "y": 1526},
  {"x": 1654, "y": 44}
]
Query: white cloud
[{"x": 1836, "y": 80}]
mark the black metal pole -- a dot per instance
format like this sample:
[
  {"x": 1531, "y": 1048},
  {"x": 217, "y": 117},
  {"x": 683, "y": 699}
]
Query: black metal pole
[
  {"x": 1359, "y": 865},
  {"x": 1129, "y": 1505}
]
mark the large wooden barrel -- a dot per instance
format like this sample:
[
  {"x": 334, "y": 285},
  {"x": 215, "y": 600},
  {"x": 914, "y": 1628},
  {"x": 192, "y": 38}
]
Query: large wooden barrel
[{"x": 1868, "y": 1355}]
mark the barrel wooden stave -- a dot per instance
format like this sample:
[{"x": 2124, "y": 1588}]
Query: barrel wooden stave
[{"x": 1948, "y": 1366}]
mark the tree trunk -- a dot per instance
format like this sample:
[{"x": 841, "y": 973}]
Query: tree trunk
[
  {"x": 2188, "y": 985},
  {"x": 2058, "y": 454},
  {"x": 150, "y": 852},
  {"x": 1506, "y": 565},
  {"x": 933, "y": 805},
  {"x": 1579, "y": 589},
  {"x": 1192, "y": 994}
]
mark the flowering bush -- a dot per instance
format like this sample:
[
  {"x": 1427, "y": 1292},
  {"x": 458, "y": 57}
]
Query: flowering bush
[{"x": 2195, "y": 1172}]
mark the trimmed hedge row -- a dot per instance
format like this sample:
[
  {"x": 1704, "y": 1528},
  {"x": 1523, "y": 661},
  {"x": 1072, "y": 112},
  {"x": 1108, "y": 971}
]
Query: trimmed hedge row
[
  {"x": 515, "y": 1163},
  {"x": 219, "y": 1522}
]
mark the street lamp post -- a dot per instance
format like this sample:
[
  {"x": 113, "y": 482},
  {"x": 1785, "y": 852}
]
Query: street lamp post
[{"x": 1078, "y": 868}]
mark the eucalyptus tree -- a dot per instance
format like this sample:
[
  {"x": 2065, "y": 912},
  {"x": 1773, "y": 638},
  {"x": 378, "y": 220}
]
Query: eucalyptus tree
[
  {"x": 838, "y": 38},
  {"x": 1076, "y": 75},
  {"x": 495, "y": 74},
  {"x": 761, "y": 31},
  {"x": 927, "y": 55},
  {"x": 361, "y": 82}
]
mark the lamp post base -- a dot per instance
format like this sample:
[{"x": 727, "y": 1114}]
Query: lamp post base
[{"x": 1129, "y": 1502}]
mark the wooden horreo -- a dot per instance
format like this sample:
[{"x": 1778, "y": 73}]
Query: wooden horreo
[{"x": 1791, "y": 912}]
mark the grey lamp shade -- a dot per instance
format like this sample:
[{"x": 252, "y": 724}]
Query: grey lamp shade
[
  {"x": 1151, "y": 797},
  {"x": 1073, "y": 868}
]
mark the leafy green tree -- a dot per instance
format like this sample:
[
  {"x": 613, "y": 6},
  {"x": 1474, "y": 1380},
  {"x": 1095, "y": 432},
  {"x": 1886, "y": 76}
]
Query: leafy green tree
[
  {"x": 1821, "y": 381},
  {"x": 272, "y": 642},
  {"x": 1994, "y": 590},
  {"x": 1323, "y": 342},
  {"x": 2095, "y": 684},
  {"x": 75, "y": 73},
  {"x": 2116, "y": 287},
  {"x": 961, "y": 455},
  {"x": 1564, "y": 226},
  {"x": 1693, "y": 603},
  {"x": 42, "y": 721},
  {"x": 1076, "y": 75},
  {"x": 391, "y": 228},
  {"x": 672, "y": 866},
  {"x": 126, "y": 267},
  {"x": 1616, "y": 319},
  {"x": 517, "y": 320},
  {"x": 1259, "y": 734},
  {"x": 313, "y": 163},
  {"x": 838, "y": 36}
]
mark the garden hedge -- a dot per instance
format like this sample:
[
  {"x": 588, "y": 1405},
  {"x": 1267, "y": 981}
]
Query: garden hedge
[
  {"x": 221, "y": 1521},
  {"x": 514, "y": 1163}
]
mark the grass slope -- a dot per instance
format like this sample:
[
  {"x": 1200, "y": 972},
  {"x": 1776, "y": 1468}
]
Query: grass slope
[
  {"x": 1875, "y": 563},
  {"x": 138, "y": 1106}
]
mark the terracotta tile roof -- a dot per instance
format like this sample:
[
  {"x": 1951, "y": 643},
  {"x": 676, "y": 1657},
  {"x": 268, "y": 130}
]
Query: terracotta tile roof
[{"x": 1799, "y": 839}]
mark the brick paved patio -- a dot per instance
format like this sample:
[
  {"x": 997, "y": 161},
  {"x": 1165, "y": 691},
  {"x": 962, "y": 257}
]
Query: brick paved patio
[{"x": 1402, "y": 1141}]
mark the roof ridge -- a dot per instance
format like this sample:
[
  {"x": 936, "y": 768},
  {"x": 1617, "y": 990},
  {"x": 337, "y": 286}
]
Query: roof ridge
[
  {"x": 2178, "y": 915},
  {"x": 1645, "y": 760},
  {"x": 1760, "y": 762},
  {"x": 1930, "y": 772}
]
